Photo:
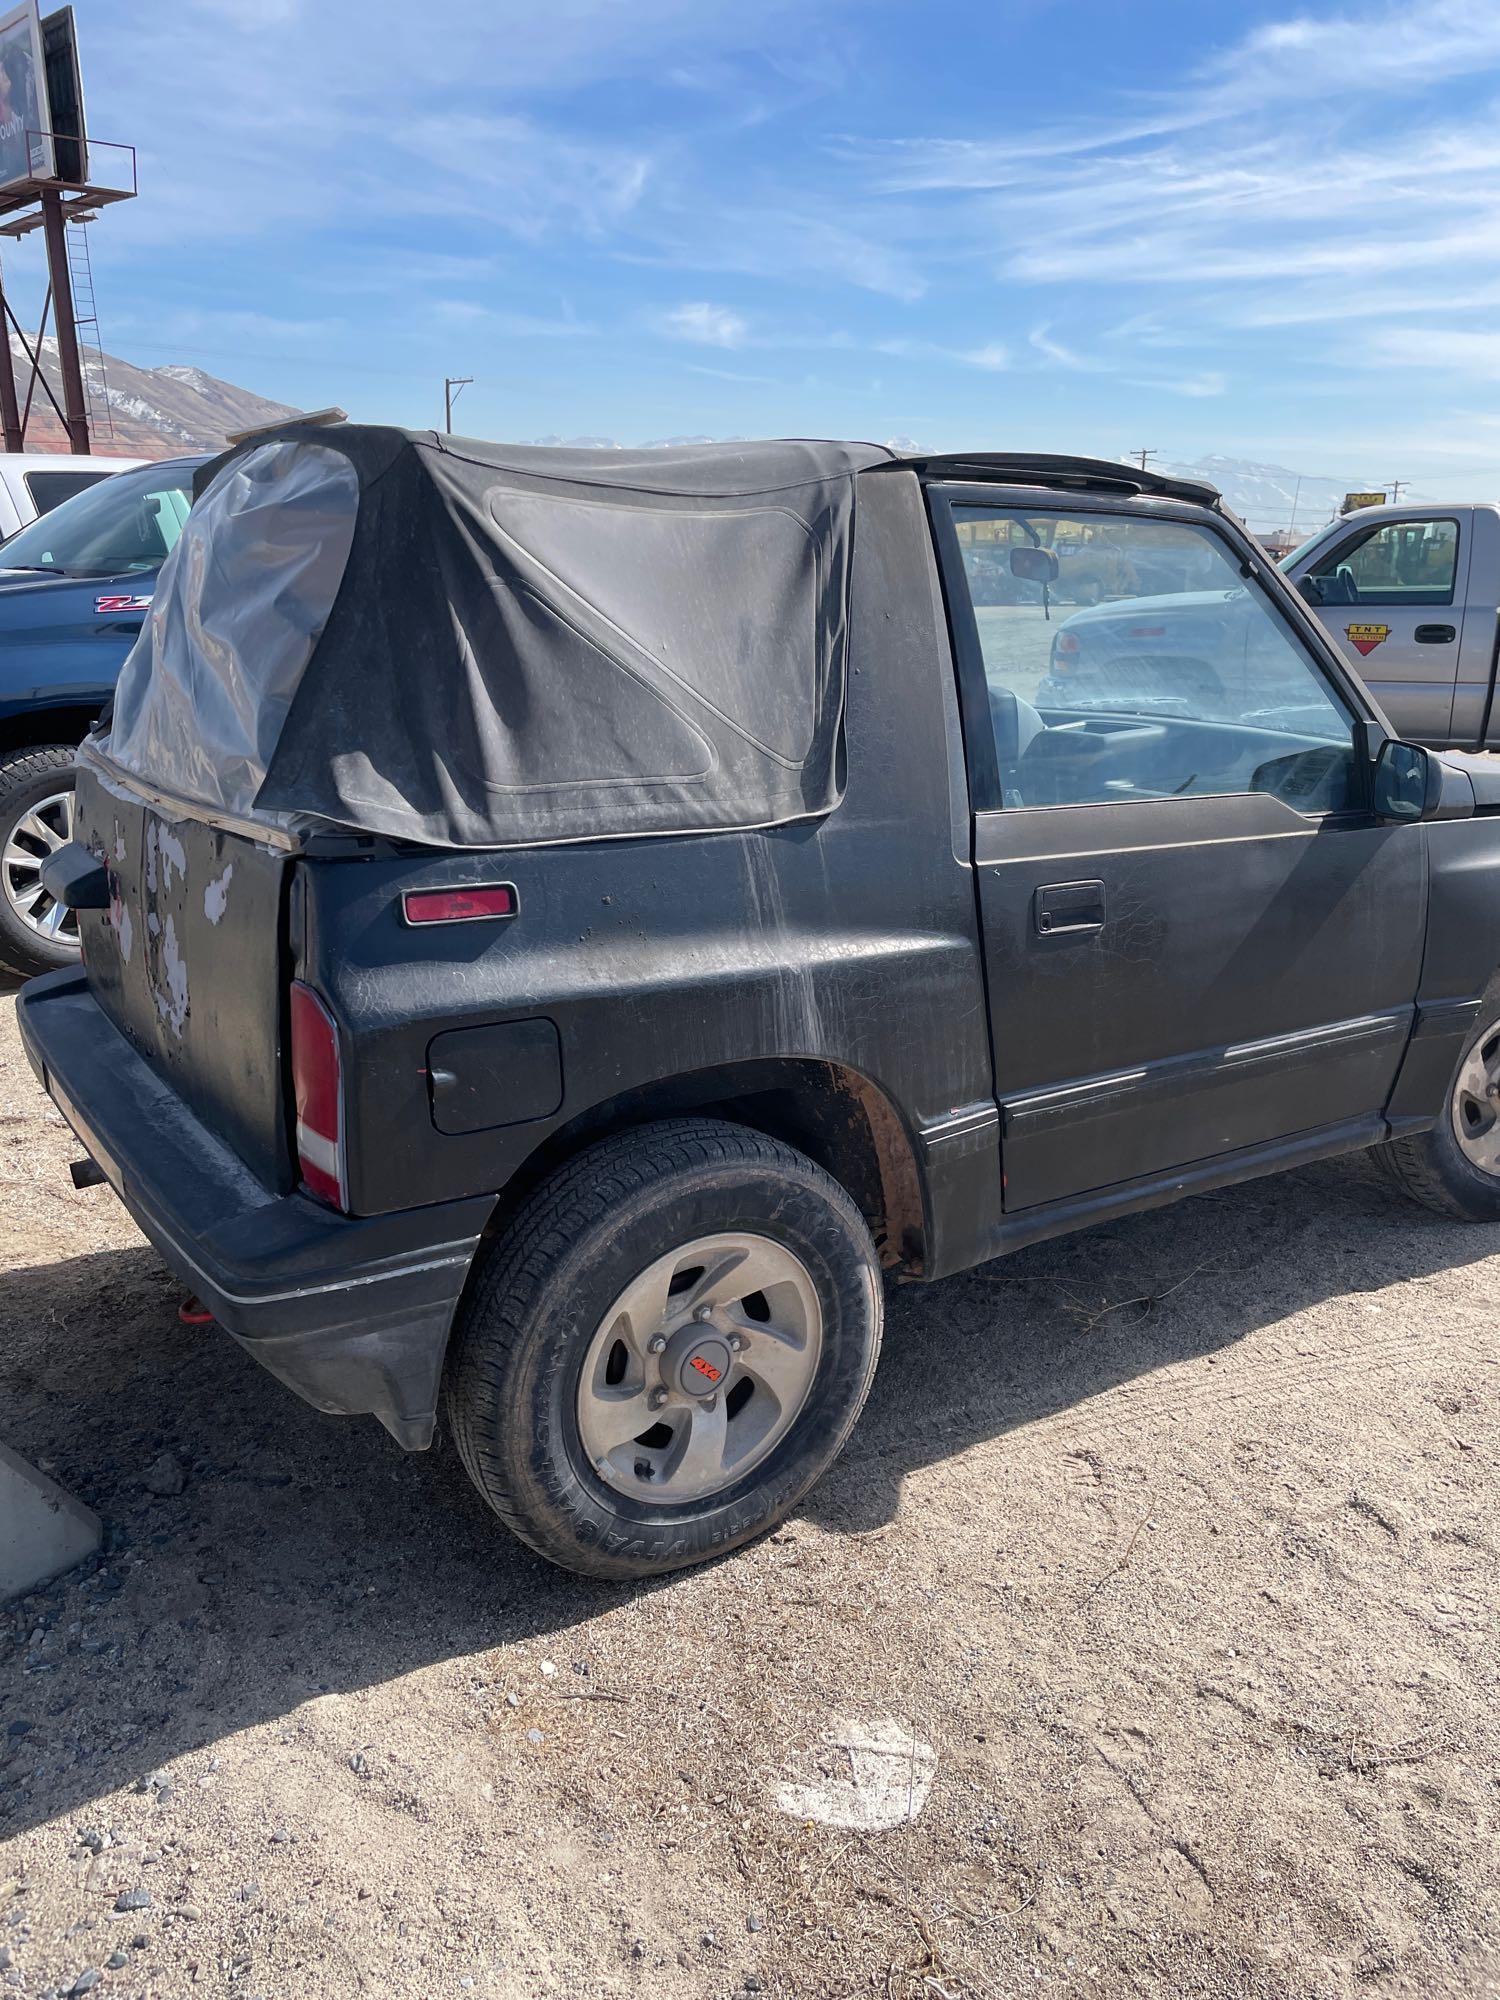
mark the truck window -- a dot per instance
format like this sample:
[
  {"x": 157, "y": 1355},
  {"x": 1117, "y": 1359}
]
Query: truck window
[
  {"x": 48, "y": 489},
  {"x": 1127, "y": 658},
  {"x": 1396, "y": 562}
]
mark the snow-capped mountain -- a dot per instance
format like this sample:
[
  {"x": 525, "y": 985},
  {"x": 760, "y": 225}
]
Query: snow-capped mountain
[
  {"x": 1269, "y": 497},
  {"x": 152, "y": 412}
]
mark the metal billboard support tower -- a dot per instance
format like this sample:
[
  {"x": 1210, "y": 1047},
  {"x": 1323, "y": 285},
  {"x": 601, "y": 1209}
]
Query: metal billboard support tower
[
  {"x": 69, "y": 366},
  {"x": 50, "y": 204}
]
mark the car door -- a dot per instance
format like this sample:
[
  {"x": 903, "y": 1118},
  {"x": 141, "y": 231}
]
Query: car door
[
  {"x": 1391, "y": 596},
  {"x": 1198, "y": 942}
]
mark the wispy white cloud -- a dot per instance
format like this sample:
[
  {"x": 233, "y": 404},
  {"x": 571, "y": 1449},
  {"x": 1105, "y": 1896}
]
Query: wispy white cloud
[
  {"x": 727, "y": 374},
  {"x": 712, "y": 326},
  {"x": 195, "y": 323},
  {"x": 1207, "y": 382},
  {"x": 475, "y": 313},
  {"x": 1258, "y": 192},
  {"x": 1469, "y": 353},
  {"x": 1393, "y": 49},
  {"x": 1065, "y": 357}
]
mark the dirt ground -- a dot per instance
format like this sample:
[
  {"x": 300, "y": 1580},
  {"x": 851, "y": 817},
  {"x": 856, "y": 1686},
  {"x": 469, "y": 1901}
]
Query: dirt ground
[{"x": 1165, "y": 1557}]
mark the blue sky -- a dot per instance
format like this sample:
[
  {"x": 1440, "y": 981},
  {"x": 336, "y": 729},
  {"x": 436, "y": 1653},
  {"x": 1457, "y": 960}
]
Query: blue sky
[{"x": 1066, "y": 224}]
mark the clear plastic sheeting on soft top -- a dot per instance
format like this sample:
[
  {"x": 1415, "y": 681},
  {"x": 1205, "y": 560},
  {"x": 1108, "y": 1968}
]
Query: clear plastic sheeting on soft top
[
  {"x": 239, "y": 607},
  {"x": 483, "y": 645}
]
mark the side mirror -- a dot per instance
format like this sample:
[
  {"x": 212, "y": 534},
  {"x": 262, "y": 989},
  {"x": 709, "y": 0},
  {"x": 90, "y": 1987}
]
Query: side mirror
[
  {"x": 1033, "y": 565},
  {"x": 1408, "y": 782},
  {"x": 1309, "y": 590}
]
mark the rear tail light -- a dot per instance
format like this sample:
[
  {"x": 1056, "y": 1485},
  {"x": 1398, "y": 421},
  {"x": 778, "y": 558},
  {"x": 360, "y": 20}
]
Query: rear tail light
[
  {"x": 459, "y": 906},
  {"x": 318, "y": 1087},
  {"x": 1065, "y": 649}
]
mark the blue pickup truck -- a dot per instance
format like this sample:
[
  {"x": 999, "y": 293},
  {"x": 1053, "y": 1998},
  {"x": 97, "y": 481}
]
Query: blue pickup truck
[{"x": 75, "y": 587}]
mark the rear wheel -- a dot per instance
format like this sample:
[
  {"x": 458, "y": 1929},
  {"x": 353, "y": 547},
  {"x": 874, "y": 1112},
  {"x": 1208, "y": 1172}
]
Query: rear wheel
[
  {"x": 37, "y": 934},
  {"x": 1455, "y": 1167},
  {"x": 664, "y": 1350}
]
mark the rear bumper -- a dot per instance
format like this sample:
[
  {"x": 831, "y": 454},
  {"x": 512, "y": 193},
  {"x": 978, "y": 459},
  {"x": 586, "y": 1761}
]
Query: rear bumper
[{"x": 352, "y": 1313}]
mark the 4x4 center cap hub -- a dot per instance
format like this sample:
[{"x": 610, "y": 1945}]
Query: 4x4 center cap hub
[{"x": 700, "y": 1364}]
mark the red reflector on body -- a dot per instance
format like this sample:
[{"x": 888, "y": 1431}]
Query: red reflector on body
[
  {"x": 459, "y": 906},
  {"x": 318, "y": 1089},
  {"x": 1148, "y": 632}
]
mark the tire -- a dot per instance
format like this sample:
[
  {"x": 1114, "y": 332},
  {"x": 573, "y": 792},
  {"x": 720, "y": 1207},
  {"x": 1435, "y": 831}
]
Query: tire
[
  {"x": 534, "y": 1342},
  {"x": 1433, "y": 1167},
  {"x": 30, "y": 779}
]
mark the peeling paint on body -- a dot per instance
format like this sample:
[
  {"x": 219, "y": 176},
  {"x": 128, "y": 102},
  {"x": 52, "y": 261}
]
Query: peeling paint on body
[
  {"x": 173, "y": 855},
  {"x": 216, "y": 896},
  {"x": 171, "y": 989}
]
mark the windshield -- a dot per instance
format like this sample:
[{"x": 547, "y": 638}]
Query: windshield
[
  {"x": 1293, "y": 561},
  {"x": 127, "y": 522}
]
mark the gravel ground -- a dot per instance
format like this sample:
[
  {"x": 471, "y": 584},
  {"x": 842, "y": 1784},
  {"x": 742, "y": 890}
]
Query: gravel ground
[{"x": 1158, "y": 1582}]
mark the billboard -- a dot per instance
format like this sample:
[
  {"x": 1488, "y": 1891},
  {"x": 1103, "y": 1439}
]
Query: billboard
[
  {"x": 1354, "y": 501},
  {"x": 25, "y": 147},
  {"x": 65, "y": 96}
]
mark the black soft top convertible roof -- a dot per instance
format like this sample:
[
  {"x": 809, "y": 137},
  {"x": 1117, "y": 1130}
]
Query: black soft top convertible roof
[{"x": 487, "y": 645}]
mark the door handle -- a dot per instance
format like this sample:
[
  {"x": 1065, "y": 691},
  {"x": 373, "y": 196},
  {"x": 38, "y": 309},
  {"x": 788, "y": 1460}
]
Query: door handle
[
  {"x": 1434, "y": 635},
  {"x": 1061, "y": 907}
]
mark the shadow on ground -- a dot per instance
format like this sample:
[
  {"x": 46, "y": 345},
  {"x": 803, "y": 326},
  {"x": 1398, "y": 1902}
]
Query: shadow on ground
[{"x": 308, "y": 1554}]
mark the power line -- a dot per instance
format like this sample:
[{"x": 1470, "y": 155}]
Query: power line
[{"x": 452, "y": 383}]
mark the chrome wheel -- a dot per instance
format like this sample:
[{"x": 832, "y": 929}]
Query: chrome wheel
[
  {"x": 1476, "y": 1105},
  {"x": 38, "y": 833},
  {"x": 700, "y": 1368}
]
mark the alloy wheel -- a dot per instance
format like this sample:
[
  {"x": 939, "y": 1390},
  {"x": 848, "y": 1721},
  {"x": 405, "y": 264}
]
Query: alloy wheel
[
  {"x": 700, "y": 1368},
  {"x": 39, "y": 832}
]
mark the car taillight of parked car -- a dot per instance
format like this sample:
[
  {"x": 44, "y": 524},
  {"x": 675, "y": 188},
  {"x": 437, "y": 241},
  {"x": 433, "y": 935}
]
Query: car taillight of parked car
[{"x": 318, "y": 1089}]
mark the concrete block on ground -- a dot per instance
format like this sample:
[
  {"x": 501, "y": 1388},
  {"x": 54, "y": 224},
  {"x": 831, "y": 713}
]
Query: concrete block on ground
[{"x": 43, "y": 1530}]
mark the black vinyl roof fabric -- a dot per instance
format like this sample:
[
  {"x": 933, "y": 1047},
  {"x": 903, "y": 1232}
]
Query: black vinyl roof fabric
[{"x": 529, "y": 644}]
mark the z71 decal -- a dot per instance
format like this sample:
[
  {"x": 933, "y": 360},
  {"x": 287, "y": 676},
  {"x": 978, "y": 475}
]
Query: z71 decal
[
  {"x": 1365, "y": 638},
  {"x": 105, "y": 605}
]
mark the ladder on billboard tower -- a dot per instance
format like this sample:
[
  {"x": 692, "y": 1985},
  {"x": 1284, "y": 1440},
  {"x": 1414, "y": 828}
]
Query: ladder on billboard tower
[{"x": 86, "y": 322}]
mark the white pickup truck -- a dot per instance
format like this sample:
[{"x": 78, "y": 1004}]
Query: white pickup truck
[
  {"x": 34, "y": 482},
  {"x": 1411, "y": 595}
]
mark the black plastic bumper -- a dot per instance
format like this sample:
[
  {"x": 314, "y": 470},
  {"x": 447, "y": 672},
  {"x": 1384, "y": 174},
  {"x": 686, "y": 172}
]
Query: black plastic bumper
[{"x": 351, "y": 1312}]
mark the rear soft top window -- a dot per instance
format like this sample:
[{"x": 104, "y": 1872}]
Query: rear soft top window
[
  {"x": 239, "y": 606},
  {"x": 485, "y": 645}
]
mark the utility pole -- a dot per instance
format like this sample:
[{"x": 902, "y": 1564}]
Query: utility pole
[
  {"x": 453, "y": 388},
  {"x": 1142, "y": 453},
  {"x": 1395, "y": 486},
  {"x": 1297, "y": 495}
]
